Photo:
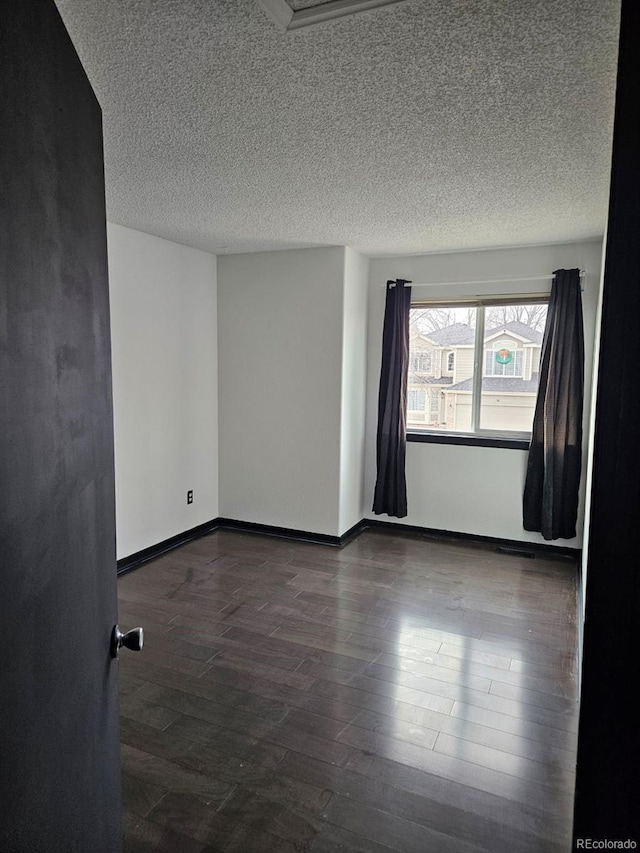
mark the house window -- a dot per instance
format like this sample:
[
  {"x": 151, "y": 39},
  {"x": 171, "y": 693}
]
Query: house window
[
  {"x": 421, "y": 362},
  {"x": 416, "y": 399},
  {"x": 495, "y": 347},
  {"x": 503, "y": 361}
]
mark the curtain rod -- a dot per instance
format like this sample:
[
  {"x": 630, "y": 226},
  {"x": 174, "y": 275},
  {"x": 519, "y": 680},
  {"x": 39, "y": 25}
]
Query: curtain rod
[{"x": 488, "y": 280}]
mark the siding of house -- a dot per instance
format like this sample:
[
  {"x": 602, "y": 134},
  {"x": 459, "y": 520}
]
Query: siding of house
[
  {"x": 463, "y": 367},
  {"x": 535, "y": 355}
]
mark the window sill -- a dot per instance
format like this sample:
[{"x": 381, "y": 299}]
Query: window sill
[{"x": 468, "y": 440}]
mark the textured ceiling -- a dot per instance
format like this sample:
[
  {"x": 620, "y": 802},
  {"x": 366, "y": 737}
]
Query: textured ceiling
[
  {"x": 296, "y": 5},
  {"x": 421, "y": 126}
]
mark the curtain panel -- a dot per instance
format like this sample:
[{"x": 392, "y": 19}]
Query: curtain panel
[
  {"x": 390, "y": 494},
  {"x": 550, "y": 502}
]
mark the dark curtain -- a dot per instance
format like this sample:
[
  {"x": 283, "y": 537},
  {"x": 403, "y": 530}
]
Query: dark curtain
[
  {"x": 550, "y": 503},
  {"x": 390, "y": 494}
]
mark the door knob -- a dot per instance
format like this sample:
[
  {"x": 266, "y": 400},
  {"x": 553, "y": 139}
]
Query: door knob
[{"x": 133, "y": 639}]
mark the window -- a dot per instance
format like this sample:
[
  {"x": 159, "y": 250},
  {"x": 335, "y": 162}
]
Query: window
[
  {"x": 416, "y": 400},
  {"x": 421, "y": 362},
  {"x": 495, "y": 348},
  {"x": 503, "y": 361}
]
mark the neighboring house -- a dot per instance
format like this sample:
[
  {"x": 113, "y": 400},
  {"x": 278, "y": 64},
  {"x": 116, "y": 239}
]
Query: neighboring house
[{"x": 441, "y": 376}]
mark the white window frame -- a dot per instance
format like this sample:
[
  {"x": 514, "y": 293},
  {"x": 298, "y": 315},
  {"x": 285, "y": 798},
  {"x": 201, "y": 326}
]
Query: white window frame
[
  {"x": 428, "y": 358},
  {"x": 480, "y": 304},
  {"x": 518, "y": 355},
  {"x": 417, "y": 391}
]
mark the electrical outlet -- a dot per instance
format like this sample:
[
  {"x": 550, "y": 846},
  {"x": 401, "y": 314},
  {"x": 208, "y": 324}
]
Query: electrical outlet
[{"x": 190, "y": 496}]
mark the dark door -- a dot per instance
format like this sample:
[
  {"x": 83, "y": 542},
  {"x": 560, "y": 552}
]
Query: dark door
[
  {"x": 59, "y": 761},
  {"x": 608, "y": 769}
]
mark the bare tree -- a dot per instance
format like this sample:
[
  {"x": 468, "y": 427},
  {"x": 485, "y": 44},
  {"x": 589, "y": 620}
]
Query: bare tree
[
  {"x": 533, "y": 316},
  {"x": 425, "y": 320}
]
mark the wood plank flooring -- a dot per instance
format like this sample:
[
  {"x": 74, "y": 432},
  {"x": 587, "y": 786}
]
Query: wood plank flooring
[{"x": 401, "y": 694}]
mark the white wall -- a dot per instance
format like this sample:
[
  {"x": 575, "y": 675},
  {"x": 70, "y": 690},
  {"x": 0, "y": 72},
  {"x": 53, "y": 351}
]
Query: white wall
[
  {"x": 280, "y": 331},
  {"x": 164, "y": 355},
  {"x": 354, "y": 388},
  {"x": 298, "y": 404},
  {"x": 475, "y": 490}
]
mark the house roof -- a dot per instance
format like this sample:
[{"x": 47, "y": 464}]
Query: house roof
[
  {"x": 431, "y": 380},
  {"x": 457, "y": 333},
  {"x": 517, "y": 328},
  {"x": 501, "y": 384},
  {"x": 460, "y": 334}
]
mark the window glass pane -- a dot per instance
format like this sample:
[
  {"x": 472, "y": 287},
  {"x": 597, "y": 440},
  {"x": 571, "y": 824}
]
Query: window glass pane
[
  {"x": 421, "y": 362},
  {"x": 503, "y": 360},
  {"x": 441, "y": 360},
  {"x": 512, "y": 346},
  {"x": 416, "y": 400}
]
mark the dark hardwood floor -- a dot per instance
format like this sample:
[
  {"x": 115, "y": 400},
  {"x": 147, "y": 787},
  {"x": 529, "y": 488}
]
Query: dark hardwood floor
[{"x": 400, "y": 694}]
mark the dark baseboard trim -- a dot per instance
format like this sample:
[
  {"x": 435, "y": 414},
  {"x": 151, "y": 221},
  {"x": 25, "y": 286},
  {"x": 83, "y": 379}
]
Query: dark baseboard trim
[
  {"x": 126, "y": 564},
  {"x": 353, "y": 532},
  {"x": 280, "y": 532},
  {"x": 508, "y": 545},
  {"x": 153, "y": 551},
  {"x": 511, "y": 546}
]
